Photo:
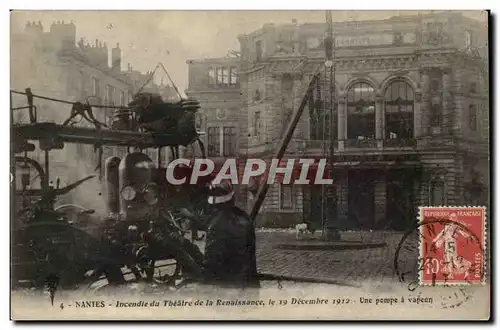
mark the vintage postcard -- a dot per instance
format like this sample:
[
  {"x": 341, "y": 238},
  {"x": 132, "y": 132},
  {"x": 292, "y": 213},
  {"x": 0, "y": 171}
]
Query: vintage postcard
[{"x": 250, "y": 165}]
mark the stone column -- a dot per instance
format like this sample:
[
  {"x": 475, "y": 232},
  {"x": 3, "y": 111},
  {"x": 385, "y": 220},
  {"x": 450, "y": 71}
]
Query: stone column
[
  {"x": 379, "y": 121},
  {"x": 459, "y": 100},
  {"x": 342, "y": 122},
  {"x": 449, "y": 186},
  {"x": 380, "y": 200},
  {"x": 424, "y": 188},
  {"x": 417, "y": 114},
  {"x": 425, "y": 104},
  {"x": 448, "y": 115}
]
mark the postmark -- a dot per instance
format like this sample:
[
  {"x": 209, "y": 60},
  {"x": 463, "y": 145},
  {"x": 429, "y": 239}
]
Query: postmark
[
  {"x": 451, "y": 245},
  {"x": 411, "y": 259}
]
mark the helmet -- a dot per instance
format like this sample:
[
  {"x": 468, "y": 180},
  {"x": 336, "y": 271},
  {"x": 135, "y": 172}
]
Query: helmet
[{"x": 219, "y": 193}]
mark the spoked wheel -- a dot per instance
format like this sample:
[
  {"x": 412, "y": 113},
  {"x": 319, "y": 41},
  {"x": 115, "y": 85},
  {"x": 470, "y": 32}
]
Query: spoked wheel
[
  {"x": 160, "y": 272},
  {"x": 164, "y": 272}
]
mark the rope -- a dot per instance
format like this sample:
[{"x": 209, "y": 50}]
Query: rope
[
  {"x": 171, "y": 81},
  {"x": 148, "y": 80},
  {"x": 169, "y": 78}
]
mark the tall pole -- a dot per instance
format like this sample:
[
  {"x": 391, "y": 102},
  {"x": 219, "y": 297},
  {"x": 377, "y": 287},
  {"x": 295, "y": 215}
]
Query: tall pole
[
  {"x": 324, "y": 137},
  {"x": 329, "y": 230}
]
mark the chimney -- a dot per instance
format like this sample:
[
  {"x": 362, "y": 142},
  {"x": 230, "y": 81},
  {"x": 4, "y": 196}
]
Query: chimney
[{"x": 116, "y": 58}]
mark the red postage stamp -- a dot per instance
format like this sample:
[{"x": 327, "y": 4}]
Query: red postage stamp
[{"x": 452, "y": 245}]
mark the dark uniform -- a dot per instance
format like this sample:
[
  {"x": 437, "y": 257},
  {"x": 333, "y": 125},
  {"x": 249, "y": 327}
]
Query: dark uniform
[{"x": 230, "y": 245}]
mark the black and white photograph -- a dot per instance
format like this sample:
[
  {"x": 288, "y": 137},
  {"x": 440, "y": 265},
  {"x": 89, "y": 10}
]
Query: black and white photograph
[{"x": 180, "y": 165}]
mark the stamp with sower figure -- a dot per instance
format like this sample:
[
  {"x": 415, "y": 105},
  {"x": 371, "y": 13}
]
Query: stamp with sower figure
[{"x": 452, "y": 244}]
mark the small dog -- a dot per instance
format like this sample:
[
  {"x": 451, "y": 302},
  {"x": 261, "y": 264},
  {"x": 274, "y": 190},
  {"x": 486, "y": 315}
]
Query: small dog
[{"x": 303, "y": 228}]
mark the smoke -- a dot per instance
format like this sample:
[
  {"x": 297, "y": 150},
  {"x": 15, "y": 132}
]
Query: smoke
[
  {"x": 90, "y": 194},
  {"x": 75, "y": 161}
]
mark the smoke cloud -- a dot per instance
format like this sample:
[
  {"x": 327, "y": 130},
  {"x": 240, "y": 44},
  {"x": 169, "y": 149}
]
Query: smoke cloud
[{"x": 35, "y": 70}]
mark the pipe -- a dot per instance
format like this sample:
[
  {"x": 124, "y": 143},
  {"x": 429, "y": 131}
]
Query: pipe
[{"x": 112, "y": 184}]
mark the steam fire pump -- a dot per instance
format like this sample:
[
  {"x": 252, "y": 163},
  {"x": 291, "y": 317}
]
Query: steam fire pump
[{"x": 143, "y": 224}]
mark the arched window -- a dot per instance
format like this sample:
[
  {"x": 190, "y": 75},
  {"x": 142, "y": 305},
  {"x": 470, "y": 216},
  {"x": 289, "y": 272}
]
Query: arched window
[
  {"x": 361, "y": 112},
  {"x": 399, "y": 102},
  {"x": 319, "y": 115}
]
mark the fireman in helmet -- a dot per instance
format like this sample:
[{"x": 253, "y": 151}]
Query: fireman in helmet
[{"x": 230, "y": 241}]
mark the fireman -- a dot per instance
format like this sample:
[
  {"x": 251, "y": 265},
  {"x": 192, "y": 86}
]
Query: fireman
[{"x": 230, "y": 242}]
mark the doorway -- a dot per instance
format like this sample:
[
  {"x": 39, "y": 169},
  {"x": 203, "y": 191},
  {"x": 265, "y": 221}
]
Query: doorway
[
  {"x": 400, "y": 197},
  {"x": 361, "y": 201},
  {"x": 312, "y": 205}
]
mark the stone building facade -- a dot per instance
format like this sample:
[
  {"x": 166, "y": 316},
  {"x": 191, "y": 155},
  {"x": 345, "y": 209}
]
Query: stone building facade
[
  {"x": 411, "y": 116},
  {"x": 215, "y": 84}
]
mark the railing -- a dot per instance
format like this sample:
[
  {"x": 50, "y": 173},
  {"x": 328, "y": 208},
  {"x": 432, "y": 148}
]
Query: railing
[
  {"x": 400, "y": 143},
  {"x": 364, "y": 143},
  {"x": 318, "y": 144}
]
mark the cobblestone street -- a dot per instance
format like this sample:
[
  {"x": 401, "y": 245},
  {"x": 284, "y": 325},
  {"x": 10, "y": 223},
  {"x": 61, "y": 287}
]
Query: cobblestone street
[
  {"x": 346, "y": 266},
  {"x": 349, "y": 266}
]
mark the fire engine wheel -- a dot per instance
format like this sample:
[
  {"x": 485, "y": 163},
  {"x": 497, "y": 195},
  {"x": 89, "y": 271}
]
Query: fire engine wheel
[
  {"x": 48, "y": 249},
  {"x": 164, "y": 272}
]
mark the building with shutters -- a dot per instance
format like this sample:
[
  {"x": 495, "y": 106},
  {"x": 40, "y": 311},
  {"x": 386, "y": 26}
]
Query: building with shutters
[
  {"x": 54, "y": 64},
  {"x": 410, "y": 107}
]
